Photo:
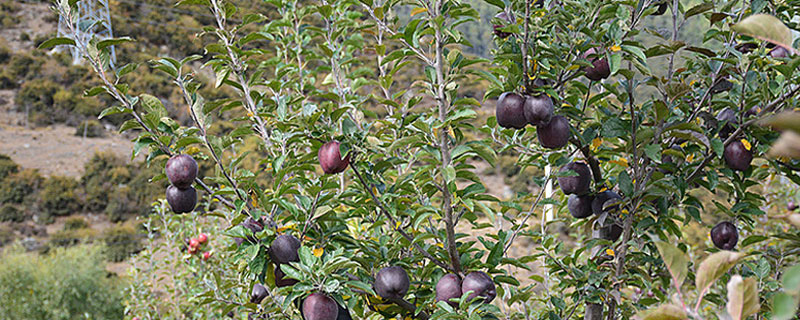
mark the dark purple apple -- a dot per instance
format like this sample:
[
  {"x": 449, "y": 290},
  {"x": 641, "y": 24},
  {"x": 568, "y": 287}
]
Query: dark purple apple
[
  {"x": 330, "y": 159},
  {"x": 284, "y": 249},
  {"x": 578, "y": 184},
  {"x": 181, "y": 170},
  {"x": 779, "y": 52},
  {"x": 791, "y": 206},
  {"x": 502, "y": 16},
  {"x": 662, "y": 8},
  {"x": 724, "y": 235},
  {"x": 480, "y": 284},
  {"x": 319, "y": 306},
  {"x": 391, "y": 283},
  {"x": 555, "y": 134},
  {"x": 343, "y": 314},
  {"x": 737, "y": 156},
  {"x": 600, "y": 200},
  {"x": 448, "y": 287},
  {"x": 254, "y": 226},
  {"x": 510, "y": 111},
  {"x": 181, "y": 200},
  {"x": 611, "y": 232},
  {"x": 258, "y": 294},
  {"x": 727, "y": 118},
  {"x": 281, "y": 280},
  {"x": 580, "y": 206},
  {"x": 538, "y": 110},
  {"x": 746, "y": 47},
  {"x": 599, "y": 69}
]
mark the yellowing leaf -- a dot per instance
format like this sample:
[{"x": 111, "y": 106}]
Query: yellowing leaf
[
  {"x": 610, "y": 252},
  {"x": 615, "y": 48},
  {"x": 714, "y": 267},
  {"x": 663, "y": 312},
  {"x": 621, "y": 161},
  {"x": 676, "y": 261},
  {"x": 746, "y": 144},
  {"x": 742, "y": 297},
  {"x": 596, "y": 143},
  {"x": 417, "y": 11},
  {"x": 318, "y": 252},
  {"x": 286, "y": 227},
  {"x": 690, "y": 157}
]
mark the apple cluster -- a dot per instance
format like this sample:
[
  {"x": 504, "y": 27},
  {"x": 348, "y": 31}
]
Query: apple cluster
[
  {"x": 196, "y": 245},
  {"x": 181, "y": 171},
  {"x": 583, "y": 204},
  {"x": 478, "y": 284}
]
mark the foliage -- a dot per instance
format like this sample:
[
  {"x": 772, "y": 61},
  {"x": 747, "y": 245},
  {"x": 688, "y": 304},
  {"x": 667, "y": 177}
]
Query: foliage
[
  {"x": 11, "y": 213},
  {"x": 122, "y": 240},
  {"x": 64, "y": 284},
  {"x": 410, "y": 196},
  {"x": 74, "y": 223},
  {"x": 18, "y": 186},
  {"x": 7, "y": 166},
  {"x": 58, "y": 197}
]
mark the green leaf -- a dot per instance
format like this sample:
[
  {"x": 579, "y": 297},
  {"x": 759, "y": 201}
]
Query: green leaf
[
  {"x": 698, "y": 9},
  {"x": 791, "y": 280},
  {"x": 742, "y": 297},
  {"x": 663, "y": 312},
  {"x": 55, "y": 42},
  {"x": 784, "y": 306},
  {"x": 714, "y": 267},
  {"x": 625, "y": 183},
  {"x": 110, "y": 42},
  {"x": 676, "y": 261},
  {"x": 767, "y": 28}
]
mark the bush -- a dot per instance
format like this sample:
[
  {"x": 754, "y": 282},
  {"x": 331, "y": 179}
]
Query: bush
[
  {"x": 58, "y": 197},
  {"x": 66, "y": 238},
  {"x": 17, "y": 186},
  {"x": 7, "y": 166},
  {"x": 90, "y": 129},
  {"x": 74, "y": 223},
  {"x": 11, "y": 213},
  {"x": 6, "y": 235},
  {"x": 36, "y": 98},
  {"x": 98, "y": 181},
  {"x": 121, "y": 242},
  {"x": 64, "y": 284}
]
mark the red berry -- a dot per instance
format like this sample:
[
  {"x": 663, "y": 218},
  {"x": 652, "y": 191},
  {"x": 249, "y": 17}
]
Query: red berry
[
  {"x": 194, "y": 243},
  {"x": 202, "y": 238},
  {"x": 206, "y": 255}
]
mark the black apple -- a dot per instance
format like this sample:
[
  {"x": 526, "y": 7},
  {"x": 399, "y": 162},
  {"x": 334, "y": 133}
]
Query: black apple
[
  {"x": 603, "y": 201},
  {"x": 538, "y": 110},
  {"x": 343, "y": 314},
  {"x": 727, "y": 118},
  {"x": 480, "y": 284},
  {"x": 724, "y": 235},
  {"x": 391, "y": 283},
  {"x": 284, "y": 249},
  {"x": 575, "y": 184},
  {"x": 319, "y": 306},
  {"x": 662, "y": 8},
  {"x": 779, "y": 52},
  {"x": 599, "y": 69},
  {"x": 746, "y": 47},
  {"x": 580, "y": 206},
  {"x": 510, "y": 112},
  {"x": 555, "y": 134},
  {"x": 737, "y": 156},
  {"x": 502, "y": 16},
  {"x": 258, "y": 294},
  {"x": 254, "y": 226},
  {"x": 611, "y": 232},
  {"x": 330, "y": 159},
  {"x": 448, "y": 287},
  {"x": 281, "y": 280},
  {"x": 181, "y": 200},
  {"x": 181, "y": 170}
]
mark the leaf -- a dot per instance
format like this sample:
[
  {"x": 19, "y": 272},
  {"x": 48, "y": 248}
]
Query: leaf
[
  {"x": 784, "y": 306},
  {"x": 714, "y": 267},
  {"x": 791, "y": 280},
  {"x": 787, "y": 145},
  {"x": 742, "y": 297},
  {"x": 417, "y": 11},
  {"x": 55, "y": 42},
  {"x": 110, "y": 42},
  {"x": 698, "y": 9},
  {"x": 676, "y": 260},
  {"x": 784, "y": 120},
  {"x": 767, "y": 28},
  {"x": 663, "y": 312}
]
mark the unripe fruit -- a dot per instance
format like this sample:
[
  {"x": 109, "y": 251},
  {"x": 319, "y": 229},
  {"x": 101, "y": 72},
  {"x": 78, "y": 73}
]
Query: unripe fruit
[
  {"x": 181, "y": 170},
  {"x": 181, "y": 200},
  {"x": 724, "y": 235},
  {"x": 448, "y": 287},
  {"x": 284, "y": 249},
  {"x": 510, "y": 112},
  {"x": 555, "y": 134},
  {"x": 728, "y": 117},
  {"x": 538, "y": 110},
  {"x": 575, "y": 184},
  {"x": 281, "y": 280},
  {"x": 480, "y": 284},
  {"x": 603, "y": 200},
  {"x": 599, "y": 69},
  {"x": 496, "y": 27},
  {"x": 258, "y": 294},
  {"x": 319, "y": 306},
  {"x": 391, "y": 283},
  {"x": 580, "y": 206},
  {"x": 202, "y": 238},
  {"x": 194, "y": 243},
  {"x": 206, "y": 255},
  {"x": 737, "y": 156},
  {"x": 330, "y": 159}
]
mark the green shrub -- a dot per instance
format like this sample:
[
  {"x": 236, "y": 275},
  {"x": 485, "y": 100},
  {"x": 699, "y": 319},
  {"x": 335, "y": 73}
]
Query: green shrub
[
  {"x": 17, "y": 186},
  {"x": 6, "y": 235},
  {"x": 91, "y": 129},
  {"x": 36, "y": 98},
  {"x": 58, "y": 197},
  {"x": 7, "y": 166},
  {"x": 74, "y": 223},
  {"x": 66, "y": 238},
  {"x": 121, "y": 242},
  {"x": 65, "y": 284},
  {"x": 98, "y": 180},
  {"x": 11, "y": 213}
]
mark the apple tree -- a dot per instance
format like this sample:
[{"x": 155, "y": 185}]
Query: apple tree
[{"x": 363, "y": 200}]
